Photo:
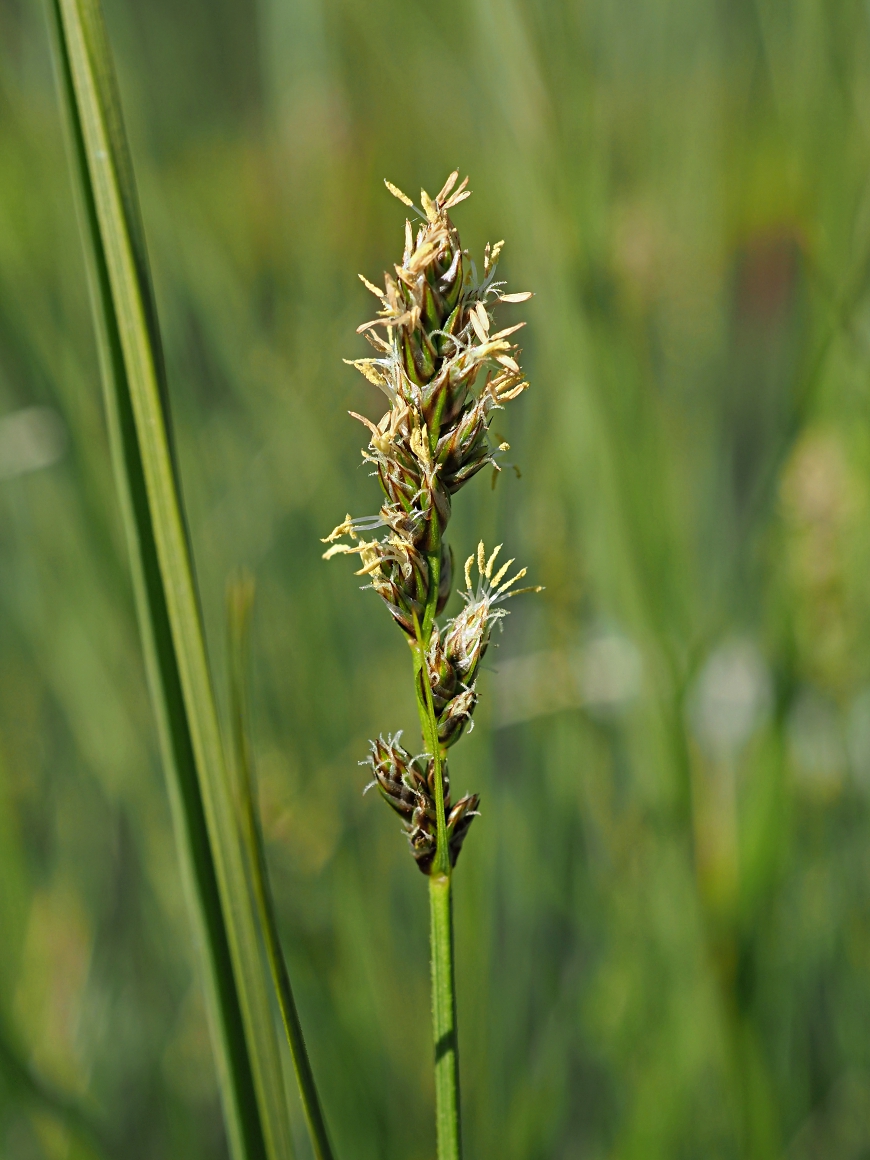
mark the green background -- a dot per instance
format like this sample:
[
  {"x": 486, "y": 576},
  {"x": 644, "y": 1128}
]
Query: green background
[{"x": 664, "y": 911}]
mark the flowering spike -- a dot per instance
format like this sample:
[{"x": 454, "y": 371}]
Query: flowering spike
[{"x": 444, "y": 367}]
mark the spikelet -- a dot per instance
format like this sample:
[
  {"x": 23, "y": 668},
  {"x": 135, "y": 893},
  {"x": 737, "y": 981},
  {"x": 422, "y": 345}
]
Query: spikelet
[{"x": 406, "y": 784}]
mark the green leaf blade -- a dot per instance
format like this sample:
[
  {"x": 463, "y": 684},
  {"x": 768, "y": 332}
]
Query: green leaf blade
[{"x": 238, "y": 999}]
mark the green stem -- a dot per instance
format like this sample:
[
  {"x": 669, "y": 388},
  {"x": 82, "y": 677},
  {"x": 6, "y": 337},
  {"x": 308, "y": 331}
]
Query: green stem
[
  {"x": 429, "y": 727},
  {"x": 447, "y": 1115},
  {"x": 447, "y": 1098}
]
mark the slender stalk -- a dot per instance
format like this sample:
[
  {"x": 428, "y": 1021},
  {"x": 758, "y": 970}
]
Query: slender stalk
[
  {"x": 447, "y": 1097},
  {"x": 429, "y": 728},
  {"x": 440, "y": 337},
  {"x": 239, "y": 605},
  {"x": 447, "y": 1110},
  {"x": 426, "y": 708}
]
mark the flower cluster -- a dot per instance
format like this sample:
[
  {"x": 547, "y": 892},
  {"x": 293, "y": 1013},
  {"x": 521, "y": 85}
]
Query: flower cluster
[
  {"x": 407, "y": 784},
  {"x": 437, "y": 344},
  {"x": 444, "y": 369},
  {"x": 454, "y": 655},
  {"x": 452, "y": 663}
]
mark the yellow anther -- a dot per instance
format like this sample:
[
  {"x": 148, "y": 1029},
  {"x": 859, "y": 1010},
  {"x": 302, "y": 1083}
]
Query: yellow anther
[
  {"x": 396, "y": 192},
  {"x": 501, "y": 573},
  {"x": 513, "y": 580},
  {"x": 491, "y": 561},
  {"x": 468, "y": 564}
]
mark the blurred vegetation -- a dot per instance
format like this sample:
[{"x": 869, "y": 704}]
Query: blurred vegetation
[{"x": 664, "y": 913}]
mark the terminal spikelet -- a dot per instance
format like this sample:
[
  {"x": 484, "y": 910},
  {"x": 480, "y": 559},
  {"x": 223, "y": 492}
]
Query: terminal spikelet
[{"x": 444, "y": 367}]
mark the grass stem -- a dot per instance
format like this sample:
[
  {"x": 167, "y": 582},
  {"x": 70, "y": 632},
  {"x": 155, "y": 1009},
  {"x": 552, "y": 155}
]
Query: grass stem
[
  {"x": 447, "y": 1110},
  {"x": 447, "y": 1098}
]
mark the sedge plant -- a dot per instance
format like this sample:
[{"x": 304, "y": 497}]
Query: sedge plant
[{"x": 444, "y": 369}]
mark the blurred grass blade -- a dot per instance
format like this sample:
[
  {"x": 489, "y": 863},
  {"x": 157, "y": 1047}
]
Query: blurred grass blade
[
  {"x": 27, "y": 1087},
  {"x": 238, "y": 996},
  {"x": 240, "y": 597}
]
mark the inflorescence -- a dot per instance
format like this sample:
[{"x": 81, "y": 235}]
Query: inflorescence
[{"x": 434, "y": 344}]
